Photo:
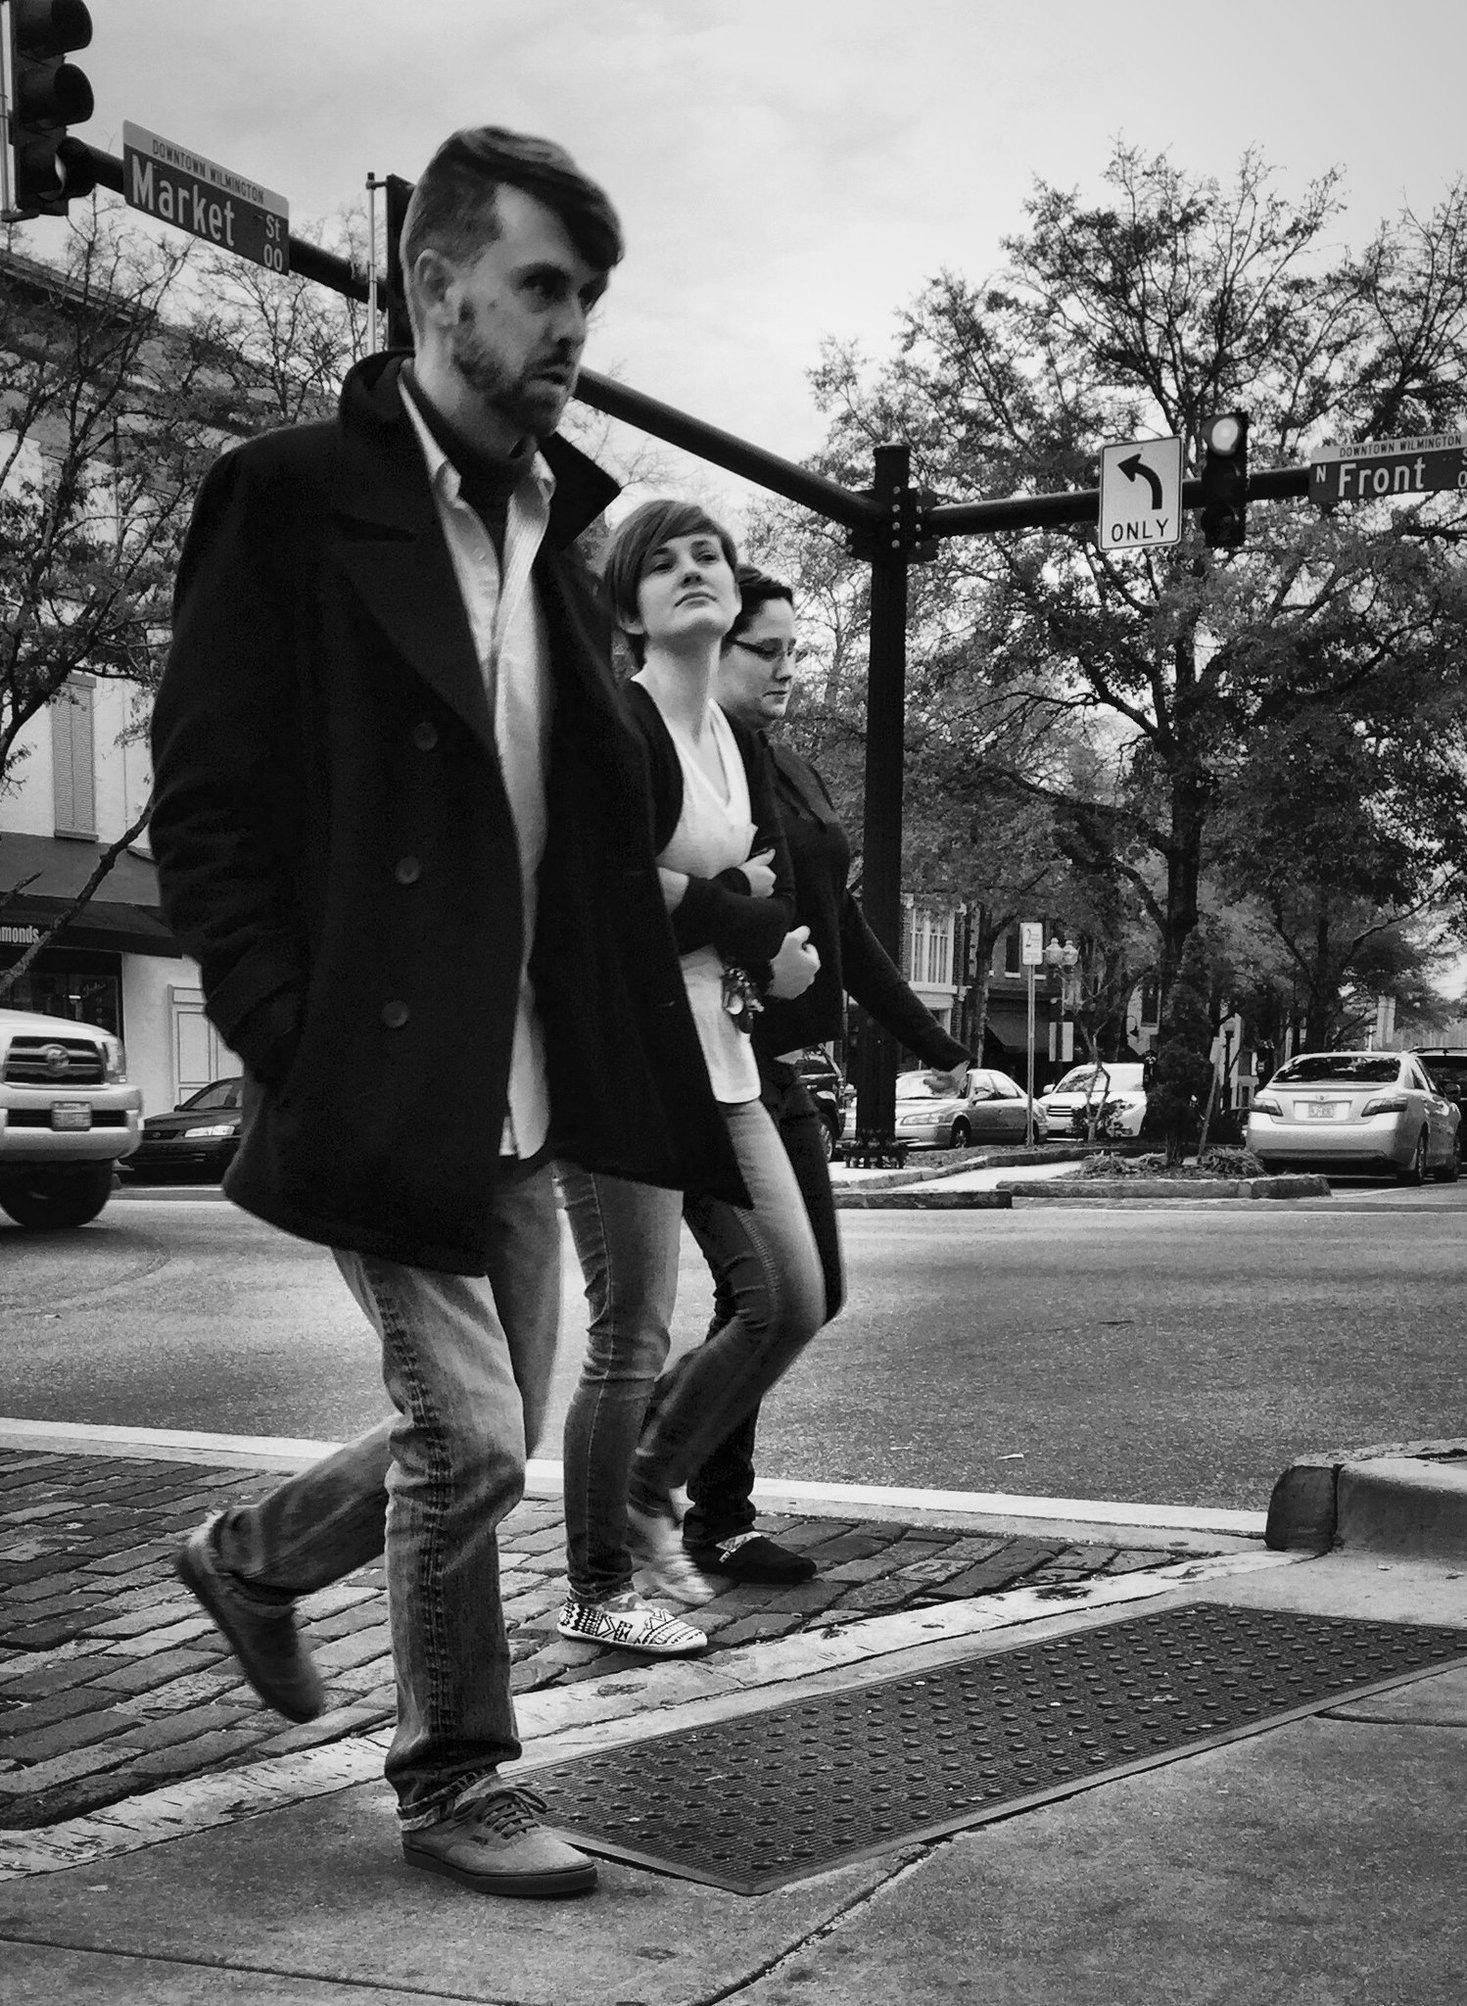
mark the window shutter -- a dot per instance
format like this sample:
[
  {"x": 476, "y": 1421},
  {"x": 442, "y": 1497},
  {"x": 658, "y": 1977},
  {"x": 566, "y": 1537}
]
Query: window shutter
[{"x": 73, "y": 759}]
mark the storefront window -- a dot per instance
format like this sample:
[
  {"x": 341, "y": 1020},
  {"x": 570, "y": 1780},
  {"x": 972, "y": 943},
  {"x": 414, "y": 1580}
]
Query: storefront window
[{"x": 82, "y": 986}]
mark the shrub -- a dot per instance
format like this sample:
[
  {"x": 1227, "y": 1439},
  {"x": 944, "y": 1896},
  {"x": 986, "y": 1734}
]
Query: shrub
[
  {"x": 1106, "y": 1164},
  {"x": 1225, "y": 1162}
]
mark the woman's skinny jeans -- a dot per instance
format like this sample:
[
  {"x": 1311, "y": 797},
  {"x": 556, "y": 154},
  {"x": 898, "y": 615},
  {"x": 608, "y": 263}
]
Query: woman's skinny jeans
[{"x": 627, "y": 1238}]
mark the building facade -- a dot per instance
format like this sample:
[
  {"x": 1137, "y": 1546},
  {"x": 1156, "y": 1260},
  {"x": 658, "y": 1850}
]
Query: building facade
[{"x": 78, "y": 784}]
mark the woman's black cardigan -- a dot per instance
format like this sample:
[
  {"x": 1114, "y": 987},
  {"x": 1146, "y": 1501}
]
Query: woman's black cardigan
[{"x": 720, "y": 912}]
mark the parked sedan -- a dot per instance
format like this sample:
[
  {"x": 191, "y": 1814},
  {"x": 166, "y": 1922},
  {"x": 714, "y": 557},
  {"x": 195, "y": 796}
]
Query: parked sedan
[
  {"x": 1363, "y": 1111},
  {"x": 825, "y": 1083},
  {"x": 199, "y": 1137},
  {"x": 989, "y": 1107},
  {"x": 1117, "y": 1086}
]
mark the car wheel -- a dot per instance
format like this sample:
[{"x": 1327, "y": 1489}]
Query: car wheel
[
  {"x": 827, "y": 1141},
  {"x": 51, "y": 1199},
  {"x": 1415, "y": 1170},
  {"x": 1451, "y": 1170},
  {"x": 961, "y": 1135}
]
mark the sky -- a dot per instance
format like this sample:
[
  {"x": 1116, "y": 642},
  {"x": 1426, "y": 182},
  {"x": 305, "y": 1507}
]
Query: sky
[{"x": 792, "y": 170}]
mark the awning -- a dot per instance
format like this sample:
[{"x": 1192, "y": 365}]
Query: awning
[{"x": 123, "y": 915}]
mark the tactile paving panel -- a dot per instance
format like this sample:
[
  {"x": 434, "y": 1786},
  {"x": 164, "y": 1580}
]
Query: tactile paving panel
[{"x": 765, "y": 1798}]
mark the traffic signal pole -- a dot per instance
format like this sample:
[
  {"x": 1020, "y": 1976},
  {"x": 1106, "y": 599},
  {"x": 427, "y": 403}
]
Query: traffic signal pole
[{"x": 881, "y": 868}]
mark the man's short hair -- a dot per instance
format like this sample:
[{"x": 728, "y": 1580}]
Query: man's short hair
[
  {"x": 452, "y": 207},
  {"x": 756, "y": 589},
  {"x": 633, "y": 542}
]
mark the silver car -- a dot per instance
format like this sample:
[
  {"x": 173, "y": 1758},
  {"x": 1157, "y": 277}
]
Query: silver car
[
  {"x": 990, "y": 1107},
  {"x": 1361, "y": 1111}
]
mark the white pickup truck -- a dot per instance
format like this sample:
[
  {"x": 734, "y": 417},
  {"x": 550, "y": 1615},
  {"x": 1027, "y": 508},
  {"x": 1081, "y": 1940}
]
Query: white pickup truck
[{"x": 66, "y": 1115}]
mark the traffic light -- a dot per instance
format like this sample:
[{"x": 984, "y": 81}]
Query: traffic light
[
  {"x": 1225, "y": 480},
  {"x": 47, "y": 94}
]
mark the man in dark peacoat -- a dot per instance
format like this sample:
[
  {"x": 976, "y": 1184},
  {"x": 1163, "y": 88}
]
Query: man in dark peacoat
[{"x": 344, "y": 843}]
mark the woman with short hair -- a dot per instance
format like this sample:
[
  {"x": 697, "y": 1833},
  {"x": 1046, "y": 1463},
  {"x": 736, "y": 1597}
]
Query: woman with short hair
[{"x": 671, "y": 580}]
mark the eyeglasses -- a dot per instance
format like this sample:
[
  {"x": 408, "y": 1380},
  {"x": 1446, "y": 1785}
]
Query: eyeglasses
[{"x": 771, "y": 651}]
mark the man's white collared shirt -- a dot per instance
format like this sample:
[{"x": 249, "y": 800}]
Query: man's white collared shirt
[{"x": 510, "y": 640}]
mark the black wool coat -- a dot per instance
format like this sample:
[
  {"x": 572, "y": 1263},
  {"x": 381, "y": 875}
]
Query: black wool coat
[{"x": 335, "y": 848}]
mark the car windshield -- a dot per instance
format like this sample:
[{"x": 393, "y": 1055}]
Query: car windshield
[
  {"x": 220, "y": 1094},
  {"x": 1450, "y": 1074},
  {"x": 1372, "y": 1069},
  {"x": 914, "y": 1087},
  {"x": 1103, "y": 1076}
]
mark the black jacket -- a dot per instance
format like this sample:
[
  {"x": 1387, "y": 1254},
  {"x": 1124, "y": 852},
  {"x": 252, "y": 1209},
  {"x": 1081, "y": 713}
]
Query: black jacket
[
  {"x": 336, "y": 849},
  {"x": 852, "y": 959}
]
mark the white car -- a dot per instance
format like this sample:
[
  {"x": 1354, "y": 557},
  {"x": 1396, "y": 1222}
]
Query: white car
[
  {"x": 1362, "y": 1111},
  {"x": 990, "y": 1107},
  {"x": 1117, "y": 1085}
]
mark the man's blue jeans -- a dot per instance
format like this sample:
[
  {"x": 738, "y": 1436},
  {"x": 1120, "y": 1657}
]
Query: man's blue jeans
[{"x": 467, "y": 1362}]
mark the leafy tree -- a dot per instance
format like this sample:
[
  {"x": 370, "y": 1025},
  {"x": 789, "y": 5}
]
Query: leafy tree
[
  {"x": 1346, "y": 844},
  {"x": 103, "y": 440},
  {"x": 283, "y": 343},
  {"x": 124, "y": 369},
  {"x": 1177, "y": 669}
]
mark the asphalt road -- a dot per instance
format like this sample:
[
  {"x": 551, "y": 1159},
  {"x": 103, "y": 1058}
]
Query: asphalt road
[{"x": 1179, "y": 1355}]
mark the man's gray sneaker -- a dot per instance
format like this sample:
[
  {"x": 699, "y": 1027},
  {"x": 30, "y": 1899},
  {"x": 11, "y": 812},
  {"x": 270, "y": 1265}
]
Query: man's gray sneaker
[
  {"x": 261, "y": 1633},
  {"x": 497, "y": 1846}
]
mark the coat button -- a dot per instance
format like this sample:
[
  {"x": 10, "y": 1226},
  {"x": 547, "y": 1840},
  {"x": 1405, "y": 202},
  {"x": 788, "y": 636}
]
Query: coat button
[
  {"x": 407, "y": 870},
  {"x": 395, "y": 1015},
  {"x": 425, "y": 736}
]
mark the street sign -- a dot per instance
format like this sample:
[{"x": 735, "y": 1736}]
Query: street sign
[
  {"x": 200, "y": 196},
  {"x": 1031, "y": 942},
  {"x": 1376, "y": 469},
  {"x": 1141, "y": 494}
]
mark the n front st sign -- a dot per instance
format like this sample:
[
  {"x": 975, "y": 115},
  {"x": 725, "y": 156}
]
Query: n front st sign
[{"x": 1377, "y": 469}]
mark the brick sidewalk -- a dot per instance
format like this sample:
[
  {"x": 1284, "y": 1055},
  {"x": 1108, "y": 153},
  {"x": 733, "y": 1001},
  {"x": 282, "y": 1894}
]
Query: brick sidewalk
[{"x": 113, "y": 1681}]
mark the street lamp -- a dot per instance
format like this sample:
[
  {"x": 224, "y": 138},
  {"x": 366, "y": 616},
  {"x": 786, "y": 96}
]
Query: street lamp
[{"x": 1061, "y": 958}]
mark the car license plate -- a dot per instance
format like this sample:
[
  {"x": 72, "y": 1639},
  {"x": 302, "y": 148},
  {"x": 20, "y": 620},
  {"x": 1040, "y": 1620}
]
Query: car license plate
[
  {"x": 1321, "y": 1110},
  {"x": 71, "y": 1114}
]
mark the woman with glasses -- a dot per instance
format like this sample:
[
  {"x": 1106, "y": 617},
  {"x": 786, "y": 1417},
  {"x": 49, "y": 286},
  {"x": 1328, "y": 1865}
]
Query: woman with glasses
[
  {"x": 753, "y": 685},
  {"x": 670, "y": 577}
]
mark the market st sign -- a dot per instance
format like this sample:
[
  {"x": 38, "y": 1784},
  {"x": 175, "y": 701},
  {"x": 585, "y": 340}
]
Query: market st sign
[
  {"x": 1377, "y": 469},
  {"x": 208, "y": 200}
]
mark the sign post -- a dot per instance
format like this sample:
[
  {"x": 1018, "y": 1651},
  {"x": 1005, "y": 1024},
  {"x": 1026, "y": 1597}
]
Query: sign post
[
  {"x": 1377, "y": 469},
  {"x": 1031, "y": 953},
  {"x": 208, "y": 200},
  {"x": 1141, "y": 495}
]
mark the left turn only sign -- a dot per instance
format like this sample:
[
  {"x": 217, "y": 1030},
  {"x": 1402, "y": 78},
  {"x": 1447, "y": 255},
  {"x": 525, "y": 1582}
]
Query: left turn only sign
[
  {"x": 1141, "y": 494},
  {"x": 209, "y": 201}
]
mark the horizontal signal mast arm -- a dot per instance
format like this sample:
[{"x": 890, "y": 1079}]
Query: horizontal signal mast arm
[{"x": 1083, "y": 504}]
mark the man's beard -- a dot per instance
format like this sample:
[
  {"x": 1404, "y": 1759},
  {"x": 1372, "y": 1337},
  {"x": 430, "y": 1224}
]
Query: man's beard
[{"x": 528, "y": 402}]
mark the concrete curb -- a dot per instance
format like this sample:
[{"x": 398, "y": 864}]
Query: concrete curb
[
  {"x": 1086, "y": 1520},
  {"x": 978, "y": 1159},
  {"x": 1187, "y": 1189},
  {"x": 925, "y": 1201},
  {"x": 1406, "y": 1498}
]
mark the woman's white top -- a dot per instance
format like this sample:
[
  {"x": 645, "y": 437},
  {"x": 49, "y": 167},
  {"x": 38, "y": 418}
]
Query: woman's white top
[{"x": 713, "y": 834}]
